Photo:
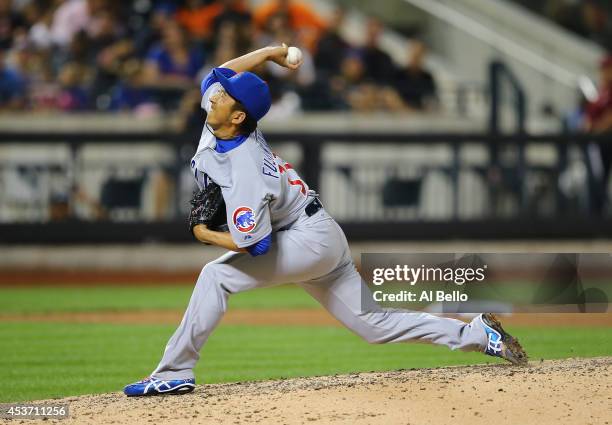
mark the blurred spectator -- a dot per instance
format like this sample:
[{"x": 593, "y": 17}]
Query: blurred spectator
[
  {"x": 203, "y": 21},
  {"x": 10, "y": 23},
  {"x": 190, "y": 114},
  {"x": 44, "y": 88},
  {"x": 171, "y": 66},
  {"x": 129, "y": 93},
  {"x": 587, "y": 18},
  {"x": 331, "y": 46},
  {"x": 352, "y": 74},
  {"x": 379, "y": 65},
  {"x": 599, "y": 113},
  {"x": 40, "y": 35},
  {"x": 229, "y": 46},
  {"x": 279, "y": 31},
  {"x": 597, "y": 23},
  {"x": 26, "y": 62},
  {"x": 109, "y": 49},
  {"x": 287, "y": 88},
  {"x": 76, "y": 51},
  {"x": 599, "y": 121},
  {"x": 414, "y": 83},
  {"x": 147, "y": 24},
  {"x": 173, "y": 63},
  {"x": 71, "y": 17},
  {"x": 12, "y": 87},
  {"x": 74, "y": 55},
  {"x": 72, "y": 96},
  {"x": 301, "y": 17},
  {"x": 233, "y": 12},
  {"x": 197, "y": 17},
  {"x": 352, "y": 89},
  {"x": 106, "y": 32}
]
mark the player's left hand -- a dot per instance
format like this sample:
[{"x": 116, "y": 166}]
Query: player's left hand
[
  {"x": 279, "y": 55},
  {"x": 208, "y": 208}
]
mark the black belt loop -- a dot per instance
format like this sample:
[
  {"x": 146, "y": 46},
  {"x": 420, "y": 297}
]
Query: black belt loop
[{"x": 312, "y": 208}]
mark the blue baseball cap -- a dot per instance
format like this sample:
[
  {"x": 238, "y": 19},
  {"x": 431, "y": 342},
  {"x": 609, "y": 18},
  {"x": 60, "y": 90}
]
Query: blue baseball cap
[{"x": 248, "y": 89}]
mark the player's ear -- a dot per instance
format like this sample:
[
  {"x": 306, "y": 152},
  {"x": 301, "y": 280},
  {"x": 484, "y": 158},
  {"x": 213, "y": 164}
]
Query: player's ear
[{"x": 238, "y": 117}]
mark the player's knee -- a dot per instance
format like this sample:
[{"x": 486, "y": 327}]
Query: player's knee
[
  {"x": 214, "y": 275},
  {"x": 210, "y": 275}
]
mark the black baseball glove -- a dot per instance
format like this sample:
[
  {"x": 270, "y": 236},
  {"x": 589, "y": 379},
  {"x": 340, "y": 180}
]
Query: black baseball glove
[{"x": 208, "y": 207}]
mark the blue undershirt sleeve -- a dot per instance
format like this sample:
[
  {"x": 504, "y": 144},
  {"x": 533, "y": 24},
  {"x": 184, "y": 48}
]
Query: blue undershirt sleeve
[{"x": 261, "y": 247}]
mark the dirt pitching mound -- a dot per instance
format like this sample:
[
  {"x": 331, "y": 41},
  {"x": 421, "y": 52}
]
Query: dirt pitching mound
[{"x": 572, "y": 391}]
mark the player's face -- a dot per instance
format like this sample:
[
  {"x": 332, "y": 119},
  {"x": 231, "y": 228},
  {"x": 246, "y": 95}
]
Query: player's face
[{"x": 221, "y": 109}]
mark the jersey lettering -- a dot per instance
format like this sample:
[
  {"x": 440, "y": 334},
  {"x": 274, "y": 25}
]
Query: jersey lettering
[
  {"x": 292, "y": 176},
  {"x": 269, "y": 165}
]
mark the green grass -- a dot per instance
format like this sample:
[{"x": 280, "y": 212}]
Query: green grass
[
  {"x": 45, "y": 360},
  {"x": 123, "y": 298}
]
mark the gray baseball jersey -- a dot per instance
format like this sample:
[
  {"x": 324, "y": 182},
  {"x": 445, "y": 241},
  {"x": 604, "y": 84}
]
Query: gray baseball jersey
[{"x": 263, "y": 194}]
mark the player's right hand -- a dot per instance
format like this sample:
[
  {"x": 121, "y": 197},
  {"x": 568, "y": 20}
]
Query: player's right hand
[{"x": 279, "y": 55}]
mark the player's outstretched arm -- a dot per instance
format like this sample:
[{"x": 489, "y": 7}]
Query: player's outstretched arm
[
  {"x": 277, "y": 54},
  {"x": 220, "y": 239}
]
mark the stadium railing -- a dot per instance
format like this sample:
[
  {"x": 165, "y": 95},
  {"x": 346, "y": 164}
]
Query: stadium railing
[{"x": 83, "y": 188}]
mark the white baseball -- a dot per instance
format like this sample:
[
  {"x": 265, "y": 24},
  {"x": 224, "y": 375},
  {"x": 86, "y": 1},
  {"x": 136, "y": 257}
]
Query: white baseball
[{"x": 294, "y": 55}]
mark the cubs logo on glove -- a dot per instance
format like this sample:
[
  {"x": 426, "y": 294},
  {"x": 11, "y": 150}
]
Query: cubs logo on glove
[{"x": 208, "y": 207}]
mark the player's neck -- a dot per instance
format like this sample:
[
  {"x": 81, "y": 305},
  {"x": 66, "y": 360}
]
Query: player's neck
[{"x": 226, "y": 133}]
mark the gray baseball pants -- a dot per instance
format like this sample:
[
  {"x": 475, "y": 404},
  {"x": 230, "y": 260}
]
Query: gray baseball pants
[{"x": 313, "y": 253}]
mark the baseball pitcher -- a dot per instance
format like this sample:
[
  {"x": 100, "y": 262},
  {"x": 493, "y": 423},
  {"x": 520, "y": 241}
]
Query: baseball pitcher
[{"x": 279, "y": 232}]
